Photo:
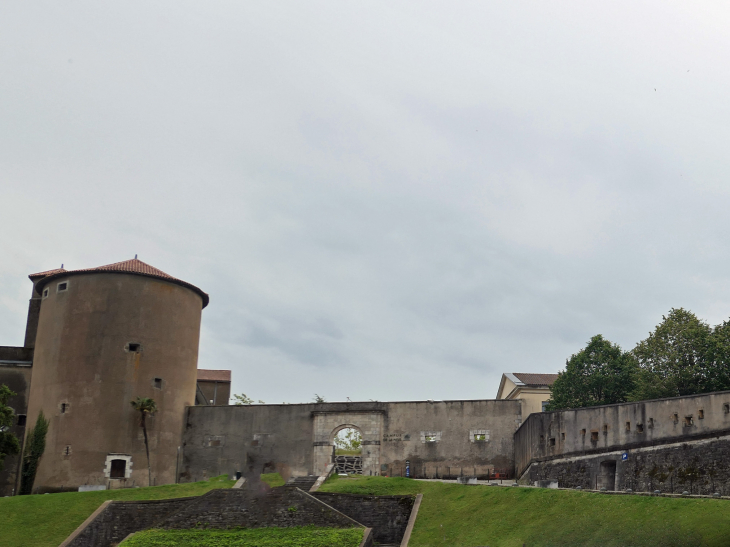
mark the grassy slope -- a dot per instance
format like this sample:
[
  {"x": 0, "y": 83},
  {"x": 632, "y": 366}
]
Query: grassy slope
[
  {"x": 272, "y": 479},
  {"x": 458, "y": 515},
  {"x": 260, "y": 537},
  {"x": 46, "y": 520}
]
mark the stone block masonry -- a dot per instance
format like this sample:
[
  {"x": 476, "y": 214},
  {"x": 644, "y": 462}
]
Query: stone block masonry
[{"x": 700, "y": 467}]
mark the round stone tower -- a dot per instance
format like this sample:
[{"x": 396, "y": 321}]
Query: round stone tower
[{"x": 106, "y": 336}]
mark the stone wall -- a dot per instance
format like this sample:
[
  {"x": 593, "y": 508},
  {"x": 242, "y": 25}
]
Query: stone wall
[
  {"x": 596, "y": 430},
  {"x": 697, "y": 467},
  {"x": 386, "y": 515},
  {"x": 15, "y": 372},
  {"x": 434, "y": 437},
  {"x": 281, "y": 507},
  {"x": 120, "y": 518}
]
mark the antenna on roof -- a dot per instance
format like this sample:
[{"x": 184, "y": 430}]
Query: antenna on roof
[
  {"x": 62, "y": 266},
  {"x": 135, "y": 256}
]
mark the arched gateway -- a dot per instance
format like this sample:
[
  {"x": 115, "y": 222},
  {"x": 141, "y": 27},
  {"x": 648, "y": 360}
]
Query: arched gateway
[{"x": 328, "y": 424}]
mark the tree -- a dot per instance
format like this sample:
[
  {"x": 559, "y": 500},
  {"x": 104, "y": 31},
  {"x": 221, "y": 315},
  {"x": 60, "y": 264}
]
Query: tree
[
  {"x": 318, "y": 398},
  {"x": 242, "y": 399},
  {"x": 676, "y": 359},
  {"x": 719, "y": 357},
  {"x": 348, "y": 439},
  {"x": 145, "y": 406},
  {"x": 8, "y": 441},
  {"x": 599, "y": 374},
  {"x": 35, "y": 446}
]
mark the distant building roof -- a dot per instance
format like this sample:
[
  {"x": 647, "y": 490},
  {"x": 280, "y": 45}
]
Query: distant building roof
[
  {"x": 534, "y": 380},
  {"x": 214, "y": 375},
  {"x": 133, "y": 266}
]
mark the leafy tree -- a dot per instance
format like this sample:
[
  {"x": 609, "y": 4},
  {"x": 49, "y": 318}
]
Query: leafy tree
[
  {"x": 318, "y": 399},
  {"x": 599, "y": 374},
  {"x": 145, "y": 406},
  {"x": 348, "y": 439},
  {"x": 8, "y": 441},
  {"x": 242, "y": 399},
  {"x": 676, "y": 359},
  {"x": 719, "y": 357},
  {"x": 35, "y": 446}
]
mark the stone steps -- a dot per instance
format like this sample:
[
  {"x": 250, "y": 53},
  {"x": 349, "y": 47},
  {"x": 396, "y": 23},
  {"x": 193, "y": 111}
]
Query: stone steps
[{"x": 303, "y": 483}]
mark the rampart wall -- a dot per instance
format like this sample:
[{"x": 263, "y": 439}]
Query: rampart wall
[{"x": 434, "y": 438}]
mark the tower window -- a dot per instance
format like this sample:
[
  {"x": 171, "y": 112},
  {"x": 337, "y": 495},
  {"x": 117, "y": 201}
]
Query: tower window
[
  {"x": 64, "y": 408},
  {"x": 22, "y": 419},
  {"x": 63, "y": 286},
  {"x": 701, "y": 414},
  {"x": 134, "y": 347},
  {"x": 45, "y": 292},
  {"x": 67, "y": 450},
  {"x": 118, "y": 469},
  {"x": 628, "y": 426},
  {"x": 157, "y": 383}
]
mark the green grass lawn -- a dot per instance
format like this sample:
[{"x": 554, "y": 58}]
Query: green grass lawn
[
  {"x": 272, "y": 479},
  {"x": 457, "y": 515},
  {"x": 46, "y": 520},
  {"x": 308, "y": 536}
]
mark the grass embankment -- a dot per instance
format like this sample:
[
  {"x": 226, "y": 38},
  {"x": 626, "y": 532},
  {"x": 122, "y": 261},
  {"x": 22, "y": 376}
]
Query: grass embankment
[
  {"x": 272, "y": 479},
  {"x": 308, "y": 536},
  {"x": 463, "y": 516},
  {"x": 46, "y": 520}
]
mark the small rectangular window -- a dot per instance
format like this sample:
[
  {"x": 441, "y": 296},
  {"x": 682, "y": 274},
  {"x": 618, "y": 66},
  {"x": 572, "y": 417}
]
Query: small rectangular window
[
  {"x": 67, "y": 451},
  {"x": 134, "y": 347},
  {"x": 639, "y": 428},
  {"x": 478, "y": 437},
  {"x": 628, "y": 426},
  {"x": 64, "y": 408},
  {"x": 45, "y": 292},
  {"x": 22, "y": 419},
  {"x": 430, "y": 438},
  {"x": 63, "y": 286},
  {"x": 605, "y": 429},
  {"x": 675, "y": 418},
  {"x": 118, "y": 469},
  {"x": 688, "y": 421},
  {"x": 583, "y": 432},
  {"x": 542, "y": 439},
  {"x": 552, "y": 441},
  {"x": 562, "y": 436},
  {"x": 726, "y": 408},
  {"x": 158, "y": 383},
  {"x": 594, "y": 436},
  {"x": 544, "y": 406},
  {"x": 651, "y": 423},
  {"x": 701, "y": 414}
]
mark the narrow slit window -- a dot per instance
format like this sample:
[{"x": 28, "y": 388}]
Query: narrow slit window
[
  {"x": 605, "y": 429},
  {"x": 67, "y": 451},
  {"x": 628, "y": 426},
  {"x": 651, "y": 423},
  {"x": 45, "y": 292},
  {"x": 562, "y": 436},
  {"x": 726, "y": 408},
  {"x": 701, "y": 414},
  {"x": 675, "y": 418},
  {"x": 64, "y": 408}
]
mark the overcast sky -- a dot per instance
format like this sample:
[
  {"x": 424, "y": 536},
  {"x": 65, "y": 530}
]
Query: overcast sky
[{"x": 384, "y": 200}]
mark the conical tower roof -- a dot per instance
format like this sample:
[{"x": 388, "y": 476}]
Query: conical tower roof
[{"x": 133, "y": 267}]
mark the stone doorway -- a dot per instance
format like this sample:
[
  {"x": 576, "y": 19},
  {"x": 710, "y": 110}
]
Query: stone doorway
[
  {"x": 347, "y": 455},
  {"x": 327, "y": 425},
  {"x": 607, "y": 475}
]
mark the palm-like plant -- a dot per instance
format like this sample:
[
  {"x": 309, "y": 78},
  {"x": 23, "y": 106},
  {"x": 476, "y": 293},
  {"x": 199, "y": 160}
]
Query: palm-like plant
[{"x": 145, "y": 406}]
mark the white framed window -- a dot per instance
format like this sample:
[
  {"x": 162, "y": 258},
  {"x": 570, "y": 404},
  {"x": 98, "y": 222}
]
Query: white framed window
[
  {"x": 479, "y": 435},
  {"x": 62, "y": 286},
  {"x": 46, "y": 291},
  {"x": 428, "y": 437},
  {"x": 118, "y": 466}
]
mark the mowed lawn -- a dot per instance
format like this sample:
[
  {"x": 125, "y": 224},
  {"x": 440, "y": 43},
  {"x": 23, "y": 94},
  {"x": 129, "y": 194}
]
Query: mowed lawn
[
  {"x": 45, "y": 520},
  {"x": 307, "y": 536},
  {"x": 467, "y": 516}
]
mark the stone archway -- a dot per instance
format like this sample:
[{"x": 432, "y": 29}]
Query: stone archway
[
  {"x": 349, "y": 462},
  {"x": 328, "y": 424}
]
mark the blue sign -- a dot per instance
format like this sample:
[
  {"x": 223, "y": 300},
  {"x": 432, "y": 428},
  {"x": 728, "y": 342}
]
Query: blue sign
[
  {"x": 624, "y": 457},
  {"x": 408, "y": 468}
]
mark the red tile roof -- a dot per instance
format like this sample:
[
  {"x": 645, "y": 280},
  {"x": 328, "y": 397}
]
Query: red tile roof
[
  {"x": 531, "y": 379},
  {"x": 133, "y": 266},
  {"x": 46, "y": 273},
  {"x": 214, "y": 375}
]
